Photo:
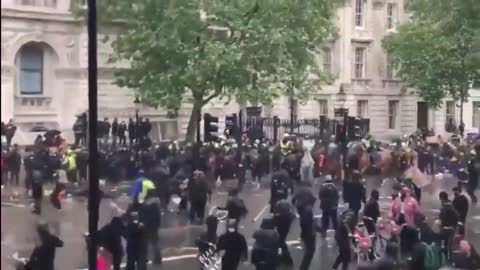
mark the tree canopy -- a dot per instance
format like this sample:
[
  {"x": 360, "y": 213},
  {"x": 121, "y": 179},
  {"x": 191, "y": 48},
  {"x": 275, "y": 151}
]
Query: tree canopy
[
  {"x": 436, "y": 52},
  {"x": 194, "y": 51}
]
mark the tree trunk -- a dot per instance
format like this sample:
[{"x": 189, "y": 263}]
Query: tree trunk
[
  {"x": 461, "y": 110},
  {"x": 193, "y": 122}
]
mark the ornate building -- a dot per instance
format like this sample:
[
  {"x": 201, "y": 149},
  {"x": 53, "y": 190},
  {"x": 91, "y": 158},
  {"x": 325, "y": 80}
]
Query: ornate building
[{"x": 44, "y": 75}]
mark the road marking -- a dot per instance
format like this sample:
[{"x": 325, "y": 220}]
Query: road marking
[
  {"x": 14, "y": 205},
  {"x": 167, "y": 259},
  {"x": 260, "y": 214}
]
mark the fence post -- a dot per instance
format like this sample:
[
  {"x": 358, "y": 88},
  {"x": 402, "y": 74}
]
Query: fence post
[{"x": 275, "y": 129}]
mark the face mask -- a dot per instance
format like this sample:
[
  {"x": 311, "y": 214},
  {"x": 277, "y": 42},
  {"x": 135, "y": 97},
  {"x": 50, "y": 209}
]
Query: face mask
[{"x": 231, "y": 230}]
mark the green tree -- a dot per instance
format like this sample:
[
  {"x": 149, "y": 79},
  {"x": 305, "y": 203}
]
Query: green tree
[
  {"x": 435, "y": 51},
  {"x": 194, "y": 51}
]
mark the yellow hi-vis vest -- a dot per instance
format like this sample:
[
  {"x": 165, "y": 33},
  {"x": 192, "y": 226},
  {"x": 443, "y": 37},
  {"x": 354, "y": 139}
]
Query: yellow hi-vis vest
[
  {"x": 147, "y": 185},
  {"x": 285, "y": 147},
  {"x": 71, "y": 160}
]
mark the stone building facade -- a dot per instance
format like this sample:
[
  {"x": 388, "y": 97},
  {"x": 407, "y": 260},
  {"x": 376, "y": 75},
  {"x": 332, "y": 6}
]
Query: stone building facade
[{"x": 44, "y": 75}]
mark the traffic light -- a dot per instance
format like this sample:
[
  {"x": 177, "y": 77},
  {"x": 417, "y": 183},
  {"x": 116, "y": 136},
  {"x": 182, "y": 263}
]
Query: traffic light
[
  {"x": 340, "y": 133},
  {"x": 210, "y": 126},
  {"x": 354, "y": 131},
  {"x": 231, "y": 125}
]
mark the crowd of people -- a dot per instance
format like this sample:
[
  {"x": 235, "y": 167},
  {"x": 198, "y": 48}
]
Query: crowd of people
[{"x": 162, "y": 171}]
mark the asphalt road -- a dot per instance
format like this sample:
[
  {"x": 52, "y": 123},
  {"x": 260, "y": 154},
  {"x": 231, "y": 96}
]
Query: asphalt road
[{"x": 177, "y": 236}]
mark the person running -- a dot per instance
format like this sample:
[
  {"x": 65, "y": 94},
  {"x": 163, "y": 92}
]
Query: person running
[{"x": 43, "y": 255}]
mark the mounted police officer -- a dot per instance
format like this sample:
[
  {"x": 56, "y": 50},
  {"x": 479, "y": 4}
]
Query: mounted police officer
[{"x": 285, "y": 144}]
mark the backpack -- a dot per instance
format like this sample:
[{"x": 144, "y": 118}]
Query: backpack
[{"x": 433, "y": 257}]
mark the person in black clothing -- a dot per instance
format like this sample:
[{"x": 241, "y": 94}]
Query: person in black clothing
[
  {"x": 122, "y": 128},
  {"x": 284, "y": 216},
  {"x": 14, "y": 163},
  {"x": 37, "y": 190},
  {"x": 427, "y": 235},
  {"x": 267, "y": 243},
  {"x": 114, "y": 131},
  {"x": 140, "y": 131},
  {"x": 149, "y": 215},
  {"x": 110, "y": 237},
  {"x": 43, "y": 256},
  {"x": 106, "y": 131},
  {"x": 412, "y": 248},
  {"x": 198, "y": 191},
  {"x": 147, "y": 126},
  {"x": 474, "y": 174},
  {"x": 448, "y": 219},
  {"x": 460, "y": 203},
  {"x": 132, "y": 131},
  {"x": 372, "y": 211},
  {"x": 356, "y": 194},
  {"x": 234, "y": 245},
  {"x": 82, "y": 165},
  {"x": 278, "y": 187},
  {"x": 308, "y": 235},
  {"x": 136, "y": 243},
  {"x": 10, "y": 130},
  {"x": 235, "y": 206},
  {"x": 303, "y": 196},
  {"x": 448, "y": 215},
  {"x": 210, "y": 236},
  {"x": 342, "y": 237},
  {"x": 328, "y": 196}
]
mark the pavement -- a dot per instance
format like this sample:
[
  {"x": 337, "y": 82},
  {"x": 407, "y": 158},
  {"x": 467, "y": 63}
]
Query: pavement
[{"x": 177, "y": 236}]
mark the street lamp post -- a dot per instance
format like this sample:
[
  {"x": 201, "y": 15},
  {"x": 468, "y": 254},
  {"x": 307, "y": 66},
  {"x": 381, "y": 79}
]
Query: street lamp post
[
  {"x": 137, "y": 103},
  {"x": 93, "y": 196},
  {"x": 341, "y": 113}
]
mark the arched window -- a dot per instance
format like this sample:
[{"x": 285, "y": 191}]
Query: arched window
[{"x": 31, "y": 70}]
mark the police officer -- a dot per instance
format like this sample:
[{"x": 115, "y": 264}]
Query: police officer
[
  {"x": 328, "y": 196},
  {"x": 267, "y": 244},
  {"x": 285, "y": 144}
]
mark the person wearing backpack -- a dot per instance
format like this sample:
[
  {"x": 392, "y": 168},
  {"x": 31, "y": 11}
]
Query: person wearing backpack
[{"x": 328, "y": 196}]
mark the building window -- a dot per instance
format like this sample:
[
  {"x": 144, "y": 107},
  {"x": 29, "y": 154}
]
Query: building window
[
  {"x": 359, "y": 13},
  {"x": 362, "y": 109},
  {"x": 390, "y": 69},
  {"x": 168, "y": 130},
  {"x": 28, "y": 2},
  {"x": 450, "y": 116},
  {"x": 323, "y": 103},
  {"x": 393, "y": 106},
  {"x": 359, "y": 63},
  {"x": 476, "y": 114},
  {"x": 31, "y": 70},
  {"x": 41, "y": 3},
  {"x": 327, "y": 60},
  {"x": 391, "y": 16}
]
